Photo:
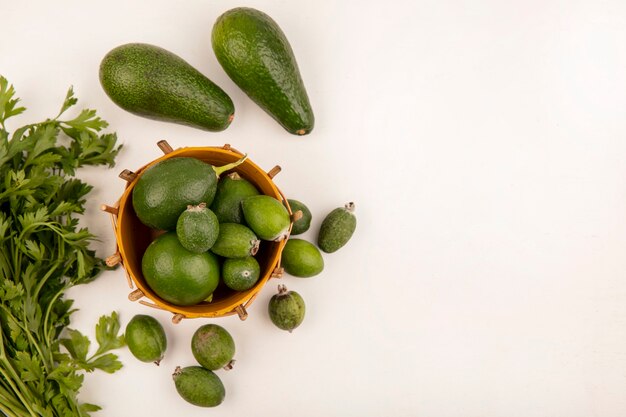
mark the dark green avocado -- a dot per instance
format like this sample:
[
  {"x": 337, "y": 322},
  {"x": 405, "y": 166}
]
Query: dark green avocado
[
  {"x": 257, "y": 56},
  {"x": 152, "y": 82}
]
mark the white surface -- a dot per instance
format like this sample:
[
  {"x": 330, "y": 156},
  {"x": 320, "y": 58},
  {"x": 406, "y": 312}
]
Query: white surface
[{"x": 484, "y": 145}]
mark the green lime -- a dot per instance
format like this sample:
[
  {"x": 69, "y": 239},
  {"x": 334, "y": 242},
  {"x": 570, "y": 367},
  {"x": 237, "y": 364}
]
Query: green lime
[
  {"x": 240, "y": 274},
  {"x": 177, "y": 275}
]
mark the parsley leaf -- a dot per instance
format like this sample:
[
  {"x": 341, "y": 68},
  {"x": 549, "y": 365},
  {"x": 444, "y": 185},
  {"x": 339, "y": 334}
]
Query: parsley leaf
[{"x": 43, "y": 253}]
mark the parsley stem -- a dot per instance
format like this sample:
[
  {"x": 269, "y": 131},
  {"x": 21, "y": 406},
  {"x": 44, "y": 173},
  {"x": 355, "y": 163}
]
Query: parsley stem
[
  {"x": 46, "y": 320},
  {"x": 25, "y": 329},
  {"x": 34, "y": 343},
  {"x": 7, "y": 399},
  {"x": 44, "y": 279},
  {"x": 12, "y": 381},
  {"x": 6, "y": 411}
]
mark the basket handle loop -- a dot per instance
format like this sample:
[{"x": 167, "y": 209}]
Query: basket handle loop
[
  {"x": 113, "y": 260},
  {"x": 165, "y": 146},
  {"x": 227, "y": 147},
  {"x": 177, "y": 318},
  {"x": 274, "y": 171},
  {"x": 241, "y": 312},
  {"x": 128, "y": 175},
  {"x": 135, "y": 295}
]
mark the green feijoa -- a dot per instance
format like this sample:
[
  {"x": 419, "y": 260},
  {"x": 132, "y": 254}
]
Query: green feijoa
[
  {"x": 231, "y": 190},
  {"x": 240, "y": 274},
  {"x": 267, "y": 217},
  {"x": 301, "y": 258},
  {"x": 337, "y": 228},
  {"x": 286, "y": 309},
  {"x": 146, "y": 338},
  {"x": 235, "y": 241},
  {"x": 304, "y": 222},
  {"x": 197, "y": 228},
  {"x": 177, "y": 275},
  {"x": 213, "y": 347},
  {"x": 199, "y": 386}
]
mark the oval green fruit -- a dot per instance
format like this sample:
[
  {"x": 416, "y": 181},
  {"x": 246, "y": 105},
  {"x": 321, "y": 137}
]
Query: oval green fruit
[
  {"x": 256, "y": 55},
  {"x": 213, "y": 347},
  {"x": 152, "y": 82},
  {"x": 286, "y": 309},
  {"x": 197, "y": 228},
  {"x": 199, "y": 386},
  {"x": 235, "y": 241},
  {"x": 164, "y": 190},
  {"x": 267, "y": 217},
  {"x": 231, "y": 190},
  {"x": 337, "y": 228},
  {"x": 177, "y": 275},
  {"x": 302, "y": 259},
  {"x": 240, "y": 274},
  {"x": 303, "y": 223},
  {"x": 146, "y": 338}
]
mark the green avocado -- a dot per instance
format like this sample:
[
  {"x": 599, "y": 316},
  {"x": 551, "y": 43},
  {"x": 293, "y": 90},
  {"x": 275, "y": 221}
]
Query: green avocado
[
  {"x": 152, "y": 82},
  {"x": 165, "y": 189},
  {"x": 256, "y": 55}
]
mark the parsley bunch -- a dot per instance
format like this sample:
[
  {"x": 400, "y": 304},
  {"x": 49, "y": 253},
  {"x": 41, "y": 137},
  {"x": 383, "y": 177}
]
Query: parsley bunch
[{"x": 43, "y": 252}]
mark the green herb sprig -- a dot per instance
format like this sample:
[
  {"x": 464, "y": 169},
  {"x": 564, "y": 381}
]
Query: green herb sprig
[{"x": 43, "y": 253}]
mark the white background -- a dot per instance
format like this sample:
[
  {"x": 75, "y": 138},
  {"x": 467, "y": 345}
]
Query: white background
[{"x": 484, "y": 144}]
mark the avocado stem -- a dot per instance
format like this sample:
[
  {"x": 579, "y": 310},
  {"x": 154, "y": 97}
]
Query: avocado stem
[{"x": 220, "y": 170}]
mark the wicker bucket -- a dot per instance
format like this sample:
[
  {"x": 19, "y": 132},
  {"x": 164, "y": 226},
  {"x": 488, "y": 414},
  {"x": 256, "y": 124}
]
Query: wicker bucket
[{"x": 133, "y": 237}]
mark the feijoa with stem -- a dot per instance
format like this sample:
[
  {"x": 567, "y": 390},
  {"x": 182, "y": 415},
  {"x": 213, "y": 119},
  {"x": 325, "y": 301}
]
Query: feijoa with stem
[
  {"x": 199, "y": 386},
  {"x": 240, "y": 274},
  {"x": 165, "y": 189},
  {"x": 235, "y": 241},
  {"x": 267, "y": 217},
  {"x": 213, "y": 347},
  {"x": 286, "y": 309},
  {"x": 146, "y": 338},
  {"x": 337, "y": 228},
  {"x": 197, "y": 228},
  {"x": 231, "y": 191}
]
